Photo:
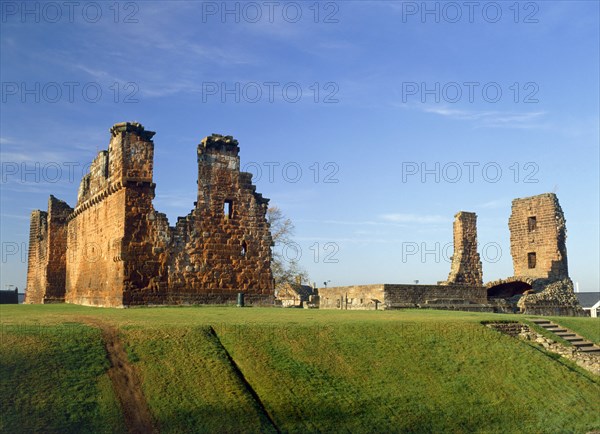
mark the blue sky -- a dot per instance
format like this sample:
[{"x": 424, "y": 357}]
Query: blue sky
[{"x": 397, "y": 117}]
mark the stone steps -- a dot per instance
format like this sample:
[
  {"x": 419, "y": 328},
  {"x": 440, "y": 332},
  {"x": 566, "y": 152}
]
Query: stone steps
[
  {"x": 573, "y": 338},
  {"x": 590, "y": 350},
  {"x": 565, "y": 334},
  {"x": 583, "y": 343},
  {"x": 555, "y": 329}
]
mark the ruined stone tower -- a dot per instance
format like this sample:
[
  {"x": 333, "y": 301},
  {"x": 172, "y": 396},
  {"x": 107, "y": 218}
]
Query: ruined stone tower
[
  {"x": 466, "y": 263},
  {"x": 114, "y": 249},
  {"x": 538, "y": 247},
  {"x": 538, "y": 237}
]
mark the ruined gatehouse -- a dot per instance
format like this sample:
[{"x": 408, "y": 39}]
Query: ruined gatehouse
[{"x": 114, "y": 249}]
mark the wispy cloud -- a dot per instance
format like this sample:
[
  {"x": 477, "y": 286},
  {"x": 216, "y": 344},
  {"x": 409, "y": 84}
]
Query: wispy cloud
[
  {"x": 495, "y": 204},
  {"x": 414, "y": 218},
  {"x": 20, "y": 152},
  {"x": 492, "y": 119},
  {"x": 353, "y": 240},
  {"x": 383, "y": 220}
]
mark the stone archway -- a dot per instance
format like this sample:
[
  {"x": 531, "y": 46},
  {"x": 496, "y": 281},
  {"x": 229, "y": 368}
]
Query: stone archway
[
  {"x": 507, "y": 289},
  {"x": 504, "y": 294}
]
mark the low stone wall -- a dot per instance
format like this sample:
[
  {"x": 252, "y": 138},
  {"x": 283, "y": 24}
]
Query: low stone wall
[
  {"x": 402, "y": 296},
  {"x": 387, "y": 296},
  {"x": 511, "y": 328}
]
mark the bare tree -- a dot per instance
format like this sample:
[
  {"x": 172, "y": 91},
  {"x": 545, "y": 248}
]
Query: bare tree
[{"x": 284, "y": 269}]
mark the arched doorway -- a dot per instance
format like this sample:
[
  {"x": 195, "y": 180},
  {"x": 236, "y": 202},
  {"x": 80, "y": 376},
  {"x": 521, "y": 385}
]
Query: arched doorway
[{"x": 508, "y": 290}]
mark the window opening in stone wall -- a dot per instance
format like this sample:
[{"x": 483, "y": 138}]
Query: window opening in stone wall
[
  {"x": 244, "y": 249},
  {"x": 228, "y": 209},
  {"x": 531, "y": 260},
  {"x": 531, "y": 223}
]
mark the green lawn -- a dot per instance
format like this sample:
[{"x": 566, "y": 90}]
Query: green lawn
[
  {"x": 189, "y": 382},
  {"x": 53, "y": 379},
  {"x": 312, "y": 370}
]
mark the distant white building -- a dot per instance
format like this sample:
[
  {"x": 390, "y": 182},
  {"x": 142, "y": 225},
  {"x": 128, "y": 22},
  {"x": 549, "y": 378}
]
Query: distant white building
[{"x": 590, "y": 301}]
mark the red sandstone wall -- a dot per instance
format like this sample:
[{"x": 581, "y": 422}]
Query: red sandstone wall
[
  {"x": 146, "y": 242},
  {"x": 114, "y": 249},
  {"x": 58, "y": 213},
  {"x": 108, "y": 232},
  {"x": 95, "y": 253},
  {"x": 215, "y": 253}
]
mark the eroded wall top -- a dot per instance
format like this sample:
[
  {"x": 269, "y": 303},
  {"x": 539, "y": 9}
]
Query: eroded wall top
[{"x": 129, "y": 156}]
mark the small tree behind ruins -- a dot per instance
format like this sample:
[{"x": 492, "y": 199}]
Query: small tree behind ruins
[{"x": 284, "y": 268}]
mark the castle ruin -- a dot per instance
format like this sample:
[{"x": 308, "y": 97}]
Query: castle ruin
[{"x": 114, "y": 249}]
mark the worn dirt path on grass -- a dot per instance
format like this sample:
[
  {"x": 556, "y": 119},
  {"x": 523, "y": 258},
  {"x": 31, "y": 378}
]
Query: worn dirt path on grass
[{"x": 125, "y": 381}]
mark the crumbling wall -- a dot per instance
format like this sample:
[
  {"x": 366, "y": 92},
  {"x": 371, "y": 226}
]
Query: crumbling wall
[
  {"x": 551, "y": 298},
  {"x": 466, "y": 264},
  {"x": 37, "y": 257},
  {"x": 224, "y": 245},
  {"x": 538, "y": 237},
  {"x": 58, "y": 213},
  {"x": 46, "y": 266}
]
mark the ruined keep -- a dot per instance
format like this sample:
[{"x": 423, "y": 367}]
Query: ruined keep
[
  {"x": 541, "y": 284},
  {"x": 538, "y": 237},
  {"x": 114, "y": 249},
  {"x": 466, "y": 263}
]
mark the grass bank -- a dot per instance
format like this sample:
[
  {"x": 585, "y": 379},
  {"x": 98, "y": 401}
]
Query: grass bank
[{"x": 307, "y": 371}]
